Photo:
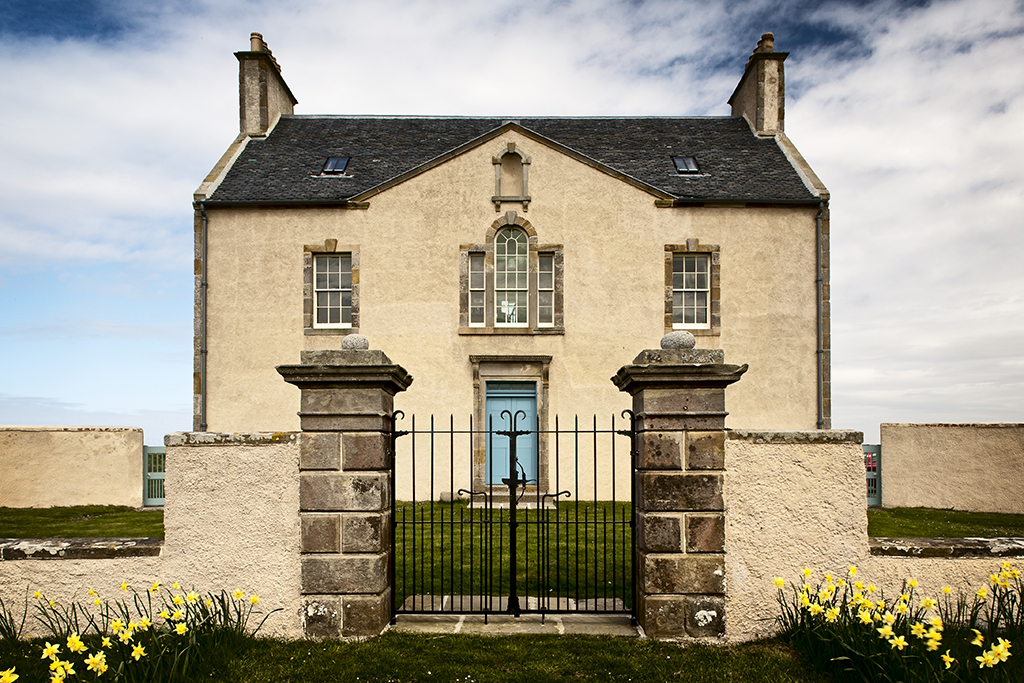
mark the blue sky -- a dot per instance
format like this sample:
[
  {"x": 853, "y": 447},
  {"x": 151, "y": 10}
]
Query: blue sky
[{"x": 115, "y": 110}]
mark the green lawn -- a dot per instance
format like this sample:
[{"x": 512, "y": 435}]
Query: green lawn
[
  {"x": 399, "y": 657},
  {"x": 83, "y": 521},
  {"x": 931, "y": 523}
]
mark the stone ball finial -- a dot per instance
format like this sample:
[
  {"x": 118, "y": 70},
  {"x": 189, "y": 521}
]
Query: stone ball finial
[
  {"x": 678, "y": 340},
  {"x": 355, "y": 341}
]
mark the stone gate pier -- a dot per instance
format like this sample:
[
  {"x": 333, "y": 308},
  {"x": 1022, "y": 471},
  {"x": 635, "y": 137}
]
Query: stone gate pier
[{"x": 679, "y": 404}]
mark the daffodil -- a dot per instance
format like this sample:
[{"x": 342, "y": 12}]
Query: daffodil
[
  {"x": 116, "y": 626},
  {"x": 181, "y": 629},
  {"x": 865, "y": 617},
  {"x": 97, "y": 602},
  {"x": 816, "y": 609},
  {"x": 901, "y": 607},
  {"x": 828, "y": 578},
  {"x": 936, "y": 623},
  {"x": 95, "y": 661},
  {"x": 859, "y": 585},
  {"x": 982, "y": 593},
  {"x": 238, "y": 594},
  {"x": 993, "y": 579},
  {"x": 928, "y": 603},
  {"x": 947, "y": 590},
  {"x": 164, "y": 614},
  {"x": 948, "y": 660},
  {"x": 175, "y": 585},
  {"x": 155, "y": 587},
  {"x": 178, "y": 615},
  {"x": 92, "y": 593},
  {"x": 8, "y": 676},
  {"x": 912, "y": 583},
  {"x": 853, "y": 570},
  {"x": 124, "y": 585},
  {"x": 125, "y": 636},
  {"x": 840, "y": 582},
  {"x": 871, "y": 588},
  {"x": 192, "y": 597},
  {"x": 138, "y": 652},
  {"x": 986, "y": 659},
  {"x": 144, "y": 623},
  {"x": 917, "y": 629},
  {"x": 889, "y": 618},
  {"x": 50, "y": 651},
  {"x": 979, "y": 639},
  {"x": 254, "y": 600},
  {"x": 75, "y": 643},
  {"x": 805, "y": 601},
  {"x": 37, "y": 595},
  {"x": 885, "y": 632},
  {"x": 898, "y": 642},
  {"x": 105, "y": 642},
  {"x": 178, "y": 600},
  {"x": 1001, "y": 650},
  {"x": 831, "y": 614}
]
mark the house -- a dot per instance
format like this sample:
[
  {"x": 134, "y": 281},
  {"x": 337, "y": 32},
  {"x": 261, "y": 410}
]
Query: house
[{"x": 510, "y": 261}]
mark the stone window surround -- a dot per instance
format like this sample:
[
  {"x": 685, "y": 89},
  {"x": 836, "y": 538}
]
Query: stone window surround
[
  {"x": 309, "y": 251},
  {"x": 693, "y": 246},
  {"x": 509, "y": 368},
  {"x": 509, "y": 219}
]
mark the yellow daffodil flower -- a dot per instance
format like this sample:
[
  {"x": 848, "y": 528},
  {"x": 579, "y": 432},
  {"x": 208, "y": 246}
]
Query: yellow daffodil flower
[
  {"x": 192, "y": 597},
  {"x": 986, "y": 659},
  {"x": 917, "y": 629},
  {"x": 37, "y": 595},
  {"x": 254, "y": 600},
  {"x": 865, "y": 617},
  {"x": 859, "y": 585},
  {"x": 75, "y": 643},
  {"x": 828, "y": 578},
  {"x": 912, "y": 583},
  {"x": 805, "y": 602},
  {"x": 144, "y": 623},
  {"x": 853, "y": 570},
  {"x": 993, "y": 579},
  {"x": 124, "y": 585},
  {"x": 948, "y": 660},
  {"x": 831, "y": 614},
  {"x": 947, "y": 590},
  {"x": 116, "y": 626},
  {"x": 50, "y": 651},
  {"x": 164, "y": 614},
  {"x": 885, "y": 632},
  {"x": 178, "y": 615},
  {"x": 8, "y": 676},
  {"x": 208, "y": 602},
  {"x": 1001, "y": 650},
  {"x": 178, "y": 600},
  {"x": 979, "y": 639},
  {"x": 982, "y": 593},
  {"x": 181, "y": 629},
  {"x": 97, "y": 602},
  {"x": 105, "y": 642},
  {"x": 936, "y": 623},
  {"x": 92, "y": 593},
  {"x": 125, "y": 636},
  {"x": 816, "y": 609},
  {"x": 238, "y": 594},
  {"x": 155, "y": 587},
  {"x": 68, "y": 667},
  {"x": 779, "y": 582},
  {"x": 840, "y": 582},
  {"x": 138, "y": 652},
  {"x": 889, "y": 618},
  {"x": 901, "y": 607},
  {"x": 871, "y": 588},
  {"x": 95, "y": 661},
  {"x": 898, "y": 642},
  {"x": 175, "y": 585}
]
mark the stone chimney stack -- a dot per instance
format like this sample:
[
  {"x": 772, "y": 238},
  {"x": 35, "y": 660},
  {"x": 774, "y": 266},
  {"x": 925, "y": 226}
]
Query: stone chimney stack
[
  {"x": 760, "y": 97},
  {"x": 262, "y": 93}
]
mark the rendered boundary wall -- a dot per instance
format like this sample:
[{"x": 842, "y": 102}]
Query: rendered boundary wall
[
  {"x": 231, "y": 522},
  {"x": 796, "y": 499},
  {"x": 977, "y": 467},
  {"x": 51, "y": 466}
]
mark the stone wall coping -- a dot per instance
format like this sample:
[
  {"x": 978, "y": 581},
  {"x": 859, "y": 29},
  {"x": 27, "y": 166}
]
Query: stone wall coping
[
  {"x": 78, "y": 548},
  {"x": 681, "y": 376},
  {"x": 344, "y": 357},
  {"x": 947, "y": 547},
  {"x": 229, "y": 439},
  {"x": 971, "y": 425},
  {"x": 797, "y": 436},
  {"x": 65, "y": 428}
]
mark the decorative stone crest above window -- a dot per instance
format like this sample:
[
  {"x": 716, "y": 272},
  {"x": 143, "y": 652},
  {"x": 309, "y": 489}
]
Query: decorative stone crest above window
[{"x": 511, "y": 176}]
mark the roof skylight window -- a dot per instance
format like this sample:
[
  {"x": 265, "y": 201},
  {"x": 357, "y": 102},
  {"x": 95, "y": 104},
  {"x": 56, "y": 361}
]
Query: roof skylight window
[
  {"x": 685, "y": 165},
  {"x": 336, "y": 165}
]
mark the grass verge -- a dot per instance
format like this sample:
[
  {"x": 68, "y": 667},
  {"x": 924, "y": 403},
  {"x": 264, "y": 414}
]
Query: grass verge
[
  {"x": 82, "y": 521},
  {"x": 406, "y": 658},
  {"x": 932, "y": 523}
]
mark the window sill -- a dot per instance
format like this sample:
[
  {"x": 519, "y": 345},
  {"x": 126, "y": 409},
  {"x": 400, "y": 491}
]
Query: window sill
[
  {"x": 510, "y": 330},
  {"x": 697, "y": 331},
  {"x": 316, "y": 331}
]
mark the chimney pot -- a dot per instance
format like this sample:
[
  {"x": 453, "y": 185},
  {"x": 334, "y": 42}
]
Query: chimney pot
[
  {"x": 766, "y": 44},
  {"x": 256, "y": 43}
]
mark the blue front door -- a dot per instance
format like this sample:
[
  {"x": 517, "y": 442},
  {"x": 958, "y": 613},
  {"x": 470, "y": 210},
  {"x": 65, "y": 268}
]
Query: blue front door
[{"x": 513, "y": 397}]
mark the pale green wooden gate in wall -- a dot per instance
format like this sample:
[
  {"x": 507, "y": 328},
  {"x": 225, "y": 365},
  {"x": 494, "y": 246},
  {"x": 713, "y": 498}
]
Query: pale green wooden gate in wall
[{"x": 154, "y": 460}]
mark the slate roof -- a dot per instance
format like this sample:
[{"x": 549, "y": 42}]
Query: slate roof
[{"x": 735, "y": 164}]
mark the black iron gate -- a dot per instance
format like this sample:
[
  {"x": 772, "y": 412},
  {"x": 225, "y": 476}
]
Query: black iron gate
[{"x": 561, "y": 542}]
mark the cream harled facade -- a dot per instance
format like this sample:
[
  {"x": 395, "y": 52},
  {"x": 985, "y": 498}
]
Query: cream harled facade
[{"x": 521, "y": 259}]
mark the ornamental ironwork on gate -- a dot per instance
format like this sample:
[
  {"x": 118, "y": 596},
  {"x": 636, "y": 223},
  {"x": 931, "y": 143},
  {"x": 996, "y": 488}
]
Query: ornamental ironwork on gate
[{"x": 476, "y": 530}]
